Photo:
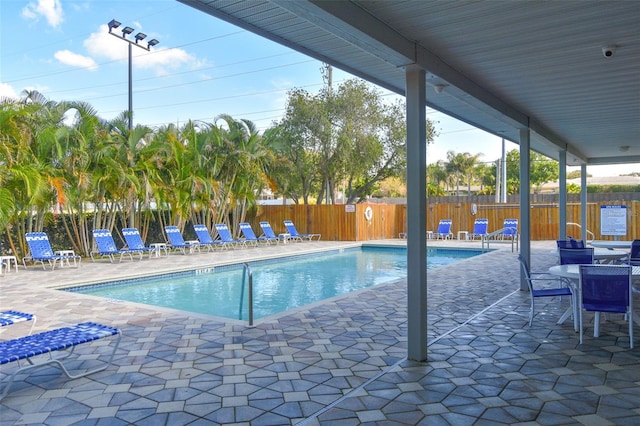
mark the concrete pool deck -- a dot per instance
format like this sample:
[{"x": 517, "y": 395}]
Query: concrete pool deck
[{"x": 338, "y": 362}]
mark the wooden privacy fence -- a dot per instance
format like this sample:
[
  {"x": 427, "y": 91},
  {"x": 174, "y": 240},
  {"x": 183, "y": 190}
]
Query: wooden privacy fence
[{"x": 355, "y": 223}]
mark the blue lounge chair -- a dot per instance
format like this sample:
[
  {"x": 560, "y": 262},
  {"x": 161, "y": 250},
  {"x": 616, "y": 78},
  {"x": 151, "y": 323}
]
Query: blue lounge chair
[
  {"x": 606, "y": 288},
  {"x": 293, "y": 232},
  {"x": 250, "y": 236},
  {"x": 267, "y": 232},
  {"x": 204, "y": 237},
  {"x": 134, "y": 241},
  {"x": 225, "y": 236},
  {"x": 444, "y": 230},
  {"x": 107, "y": 247},
  {"x": 178, "y": 243},
  {"x": 47, "y": 342},
  {"x": 480, "y": 226},
  {"x": 510, "y": 229},
  {"x": 13, "y": 317},
  {"x": 40, "y": 251}
]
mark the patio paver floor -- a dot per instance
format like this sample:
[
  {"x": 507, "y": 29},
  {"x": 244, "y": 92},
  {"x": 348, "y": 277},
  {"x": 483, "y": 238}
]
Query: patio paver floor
[{"x": 339, "y": 362}]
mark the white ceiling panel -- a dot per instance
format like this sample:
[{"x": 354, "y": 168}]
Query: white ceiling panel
[{"x": 508, "y": 64}]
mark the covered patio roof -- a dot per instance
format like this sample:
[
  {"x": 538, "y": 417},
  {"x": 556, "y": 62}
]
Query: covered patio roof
[{"x": 500, "y": 66}]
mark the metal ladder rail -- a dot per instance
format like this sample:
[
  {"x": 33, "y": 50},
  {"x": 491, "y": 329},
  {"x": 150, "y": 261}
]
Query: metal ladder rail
[
  {"x": 246, "y": 272},
  {"x": 589, "y": 233}
]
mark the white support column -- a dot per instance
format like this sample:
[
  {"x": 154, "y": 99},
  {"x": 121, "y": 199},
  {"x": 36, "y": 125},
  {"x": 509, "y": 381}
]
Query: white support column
[
  {"x": 562, "y": 194},
  {"x": 583, "y": 201},
  {"x": 525, "y": 203},
  {"x": 416, "y": 213}
]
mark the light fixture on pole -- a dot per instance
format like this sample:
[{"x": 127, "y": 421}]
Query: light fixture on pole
[{"x": 113, "y": 24}]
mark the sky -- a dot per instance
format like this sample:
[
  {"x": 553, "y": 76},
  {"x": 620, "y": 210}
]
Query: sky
[{"x": 202, "y": 67}]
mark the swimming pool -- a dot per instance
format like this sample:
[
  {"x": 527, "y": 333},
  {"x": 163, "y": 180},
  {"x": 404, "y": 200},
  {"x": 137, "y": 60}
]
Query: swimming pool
[{"x": 278, "y": 285}]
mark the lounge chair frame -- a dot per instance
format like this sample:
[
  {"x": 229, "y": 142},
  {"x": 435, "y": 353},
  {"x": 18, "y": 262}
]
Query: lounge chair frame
[
  {"x": 250, "y": 236},
  {"x": 267, "y": 232},
  {"x": 134, "y": 242},
  {"x": 106, "y": 247},
  {"x": 40, "y": 251},
  {"x": 204, "y": 237},
  {"x": 49, "y": 342},
  {"x": 226, "y": 239},
  {"x": 177, "y": 242}
]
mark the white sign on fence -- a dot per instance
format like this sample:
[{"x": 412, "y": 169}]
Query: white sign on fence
[{"x": 613, "y": 220}]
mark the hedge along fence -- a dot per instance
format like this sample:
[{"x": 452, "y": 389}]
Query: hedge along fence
[{"x": 350, "y": 222}]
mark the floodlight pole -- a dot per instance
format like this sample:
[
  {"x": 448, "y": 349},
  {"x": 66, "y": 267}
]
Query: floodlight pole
[{"x": 138, "y": 37}]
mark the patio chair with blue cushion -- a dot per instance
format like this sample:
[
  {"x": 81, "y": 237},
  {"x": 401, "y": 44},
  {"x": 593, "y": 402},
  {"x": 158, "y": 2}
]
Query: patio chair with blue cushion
[
  {"x": 177, "y": 242},
  {"x": 250, "y": 236},
  {"x": 570, "y": 243},
  {"x": 13, "y": 317},
  {"x": 536, "y": 292},
  {"x": 606, "y": 288},
  {"x": 576, "y": 256},
  {"x": 294, "y": 234},
  {"x": 225, "y": 236},
  {"x": 106, "y": 246},
  {"x": 267, "y": 232},
  {"x": 134, "y": 241},
  {"x": 444, "y": 230},
  {"x": 40, "y": 251},
  {"x": 204, "y": 237},
  {"x": 480, "y": 226},
  {"x": 634, "y": 254},
  {"x": 48, "y": 342}
]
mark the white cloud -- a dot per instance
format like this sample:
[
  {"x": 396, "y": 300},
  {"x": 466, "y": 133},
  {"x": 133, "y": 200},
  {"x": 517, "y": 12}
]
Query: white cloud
[
  {"x": 103, "y": 45},
  {"x": 6, "y": 91},
  {"x": 51, "y": 10},
  {"x": 69, "y": 58}
]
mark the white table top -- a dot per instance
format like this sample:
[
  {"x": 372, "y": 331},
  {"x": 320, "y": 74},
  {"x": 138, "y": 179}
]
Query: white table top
[
  {"x": 606, "y": 254},
  {"x": 611, "y": 244},
  {"x": 573, "y": 271}
]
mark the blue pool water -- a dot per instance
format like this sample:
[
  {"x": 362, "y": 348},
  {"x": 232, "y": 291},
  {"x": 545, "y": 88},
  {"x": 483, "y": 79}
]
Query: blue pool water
[{"x": 278, "y": 285}]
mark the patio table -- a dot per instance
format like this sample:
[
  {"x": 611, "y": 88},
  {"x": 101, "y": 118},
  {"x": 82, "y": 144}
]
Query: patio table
[
  {"x": 617, "y": 244},
  {"x": 572, "y": 273}
]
